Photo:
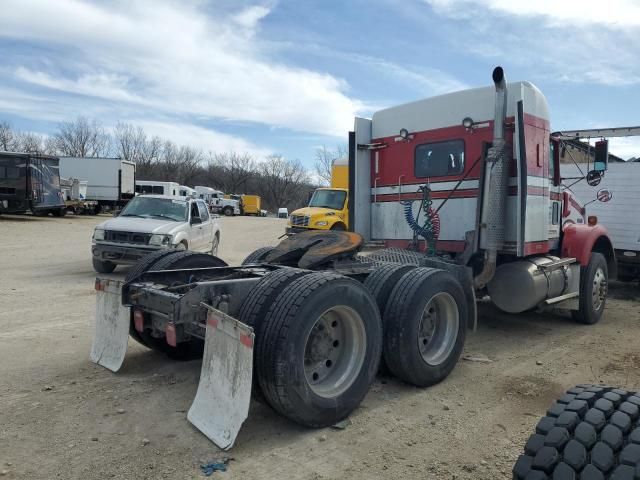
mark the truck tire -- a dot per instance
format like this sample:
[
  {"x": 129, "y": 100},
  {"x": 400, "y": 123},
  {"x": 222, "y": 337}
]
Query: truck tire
[
  {"x": 594, "y": 279},
  {"x": 318, "y": 348},
  {"x": 257, "y": 256},
  {"x": 425, "y": 323},
  {"x": 59, "y": 212},
  {"x": 103, "y": 267},
  {"x": 591, "y": 432},
  {"x": 194, "y": 347},
  {"x": 145, "y": 264},
  {"x": 228, "y": 211},
  {"x": 257, "y": 303},
  {"x": 382, "y": 280}
]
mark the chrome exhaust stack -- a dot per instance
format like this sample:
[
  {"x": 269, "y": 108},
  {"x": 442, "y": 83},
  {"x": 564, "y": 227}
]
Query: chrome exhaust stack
[{"x": 496, "y": 184}]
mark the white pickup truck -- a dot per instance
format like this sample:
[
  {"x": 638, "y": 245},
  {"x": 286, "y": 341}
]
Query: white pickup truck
[{"x": 154, "y": 222}]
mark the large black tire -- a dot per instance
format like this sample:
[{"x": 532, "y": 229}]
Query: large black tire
[
  {"x": 103, "y": 267},
  {"x": 60, "y": 212},
  {"x": 258, "y": 301},
  {"x": 257, "y": 256},
  {"x": 194, "y": 347},
  {"x": 382, "y": 280},
  {"x": 228, "y": 211},
  {"x": 281, "y": 348},
  {"x": 408, "y": 351},
  {"x": 592, "y": 432},
  {"x": 589, "y": 312},
  {"x": 145, "y": 263}
]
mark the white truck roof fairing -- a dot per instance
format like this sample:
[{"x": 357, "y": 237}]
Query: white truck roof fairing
[{"x": 449, "y": 109}]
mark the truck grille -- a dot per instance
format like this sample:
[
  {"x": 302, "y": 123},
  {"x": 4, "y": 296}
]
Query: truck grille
[
  {"x": 127, "y": 237},
  {"x": 299, "y": 221}
]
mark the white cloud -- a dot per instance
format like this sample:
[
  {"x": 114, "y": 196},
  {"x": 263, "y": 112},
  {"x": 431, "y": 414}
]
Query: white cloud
[
  {"x": 616, "y": 13},
  {"x": 199, "y": 137},
  {"x": 175, "y": 58},
  {"x": 564, "y": 40}
]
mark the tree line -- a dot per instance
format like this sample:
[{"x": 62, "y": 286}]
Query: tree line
[{"x": 281, "y": 182}]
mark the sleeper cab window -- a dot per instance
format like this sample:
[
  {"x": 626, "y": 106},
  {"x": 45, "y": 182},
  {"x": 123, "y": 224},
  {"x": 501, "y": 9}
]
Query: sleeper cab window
[{"x": 439, "y": 159}]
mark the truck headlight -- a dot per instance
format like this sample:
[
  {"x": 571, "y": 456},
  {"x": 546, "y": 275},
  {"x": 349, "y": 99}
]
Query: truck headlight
[
  {"x": 98, "y": 234},
  {"x": 160, "y": 240},
  {"x": 322, "y": 224}
]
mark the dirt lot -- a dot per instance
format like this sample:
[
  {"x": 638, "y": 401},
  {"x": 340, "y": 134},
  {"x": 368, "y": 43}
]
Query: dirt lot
[{"x": 59, "y": 412}]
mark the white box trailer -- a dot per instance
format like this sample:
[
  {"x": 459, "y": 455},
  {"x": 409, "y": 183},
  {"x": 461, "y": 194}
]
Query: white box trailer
[
  {"x": 110, "y": 181},
  {"x": 620, "y": 215},
  {"x": 157, "y": 188}
]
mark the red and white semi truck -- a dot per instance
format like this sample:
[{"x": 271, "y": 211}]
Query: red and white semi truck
[{"x": 461, "y": 190}]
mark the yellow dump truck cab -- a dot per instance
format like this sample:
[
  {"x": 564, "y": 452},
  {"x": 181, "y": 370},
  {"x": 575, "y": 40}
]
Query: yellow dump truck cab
[{"x": 327, "y": 210}]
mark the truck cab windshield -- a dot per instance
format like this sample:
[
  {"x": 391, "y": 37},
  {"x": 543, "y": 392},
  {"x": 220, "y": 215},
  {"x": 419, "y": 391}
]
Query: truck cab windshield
[
  {"x": 150, "y": 207},
  {"x": 333, "y": 199}
]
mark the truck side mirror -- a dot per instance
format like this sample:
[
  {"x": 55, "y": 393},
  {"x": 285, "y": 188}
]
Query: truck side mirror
[
  {"x": 594, "y": 177},
  {"x": 604, "y": 195},
  {"x": 601, "y": 158}
]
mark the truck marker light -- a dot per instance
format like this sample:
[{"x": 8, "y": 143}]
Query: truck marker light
[
  {"x": 170, "y": 332},
  {"x": 99, "y": 285},
  {"x": 138, "y": 320}
]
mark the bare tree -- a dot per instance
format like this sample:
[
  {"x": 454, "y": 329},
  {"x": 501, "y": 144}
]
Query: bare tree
[
  {"x": 237, "y": 169},
  {"x": 324, "y": 160},
  {"x": 82, "y": 138},
  {"x": 7, "y": 137},
  {"x": 283, "y": 181},
  {"x": 30, "y": 142}
]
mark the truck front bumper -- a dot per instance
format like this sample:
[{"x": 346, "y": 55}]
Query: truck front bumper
[
  {"x": 121, "y": 254},
  {"x": 292, "y": 230}
]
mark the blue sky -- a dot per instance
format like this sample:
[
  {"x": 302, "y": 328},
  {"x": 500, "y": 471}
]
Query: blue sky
[{"x": 288, "y": 76}]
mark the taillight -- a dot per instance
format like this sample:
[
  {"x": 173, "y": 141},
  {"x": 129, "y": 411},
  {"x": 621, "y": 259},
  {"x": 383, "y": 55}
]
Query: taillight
[{"x": 138, "y": 320}]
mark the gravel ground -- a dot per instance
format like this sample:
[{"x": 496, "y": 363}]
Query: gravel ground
[{"x": 63, "y": 417}]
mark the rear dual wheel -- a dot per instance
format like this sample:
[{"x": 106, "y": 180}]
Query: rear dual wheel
[
  {"x": 425, "y": 326},
  {"x": 318, "y": 348}
]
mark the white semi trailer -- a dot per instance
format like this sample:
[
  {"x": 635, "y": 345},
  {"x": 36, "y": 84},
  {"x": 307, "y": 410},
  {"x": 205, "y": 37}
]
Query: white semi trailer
[{"x": 110, "y": 181}]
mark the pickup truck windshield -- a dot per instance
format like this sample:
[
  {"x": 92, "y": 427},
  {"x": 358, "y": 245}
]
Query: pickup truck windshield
[
  {"x": 333, "y": 199},
  {"x": 149, "y": 207}
]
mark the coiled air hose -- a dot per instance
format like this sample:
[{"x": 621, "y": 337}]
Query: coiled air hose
[{"x": 430, "y": 228}]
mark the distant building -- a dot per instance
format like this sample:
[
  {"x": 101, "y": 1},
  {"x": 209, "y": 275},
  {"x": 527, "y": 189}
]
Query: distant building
[{"x": 581, "y": 152}]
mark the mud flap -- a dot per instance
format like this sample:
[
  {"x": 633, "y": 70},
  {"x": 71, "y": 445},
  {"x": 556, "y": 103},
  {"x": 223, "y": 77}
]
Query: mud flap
[
  {"x": 222, "y": 401},
  {"x": 111, "y": 325}
]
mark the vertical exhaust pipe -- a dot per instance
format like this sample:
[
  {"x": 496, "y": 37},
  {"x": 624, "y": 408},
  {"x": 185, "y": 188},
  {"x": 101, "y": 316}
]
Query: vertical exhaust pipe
[{"x": 496, "y": 186}]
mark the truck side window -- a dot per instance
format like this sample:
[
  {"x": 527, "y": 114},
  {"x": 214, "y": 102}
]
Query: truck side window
[
  {"x": 204, "y": 213},
  {"x": 194, "y": 210},
  {"x": 439, "y": 159}
]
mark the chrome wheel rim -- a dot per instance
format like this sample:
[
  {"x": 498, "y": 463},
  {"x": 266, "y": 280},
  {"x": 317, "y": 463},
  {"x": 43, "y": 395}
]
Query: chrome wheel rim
[
  {"x": 438, "y": 330},
  {"x": 334, "y": 351},
  {"x": 599, "y": 291}
]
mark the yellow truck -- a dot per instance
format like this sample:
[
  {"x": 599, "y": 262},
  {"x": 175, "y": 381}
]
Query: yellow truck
[
  {"x": 328, "y": 207},
  {"x": 249, "y": 204}
]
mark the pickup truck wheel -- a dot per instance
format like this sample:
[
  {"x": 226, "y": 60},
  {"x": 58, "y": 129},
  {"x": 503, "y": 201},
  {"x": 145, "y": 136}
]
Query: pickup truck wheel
[
  {"x": 228, "y": 211},
  {"x": 592, "y": 431},
  {"x": 257, "y": 256},
  {"x": 103, "y": 267},
  {"x": 318, "y": 348},
  {"x": 215, "y": 244},
  {"x": 593, "y": 290},
  {"x": 425, "y": 326}
]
